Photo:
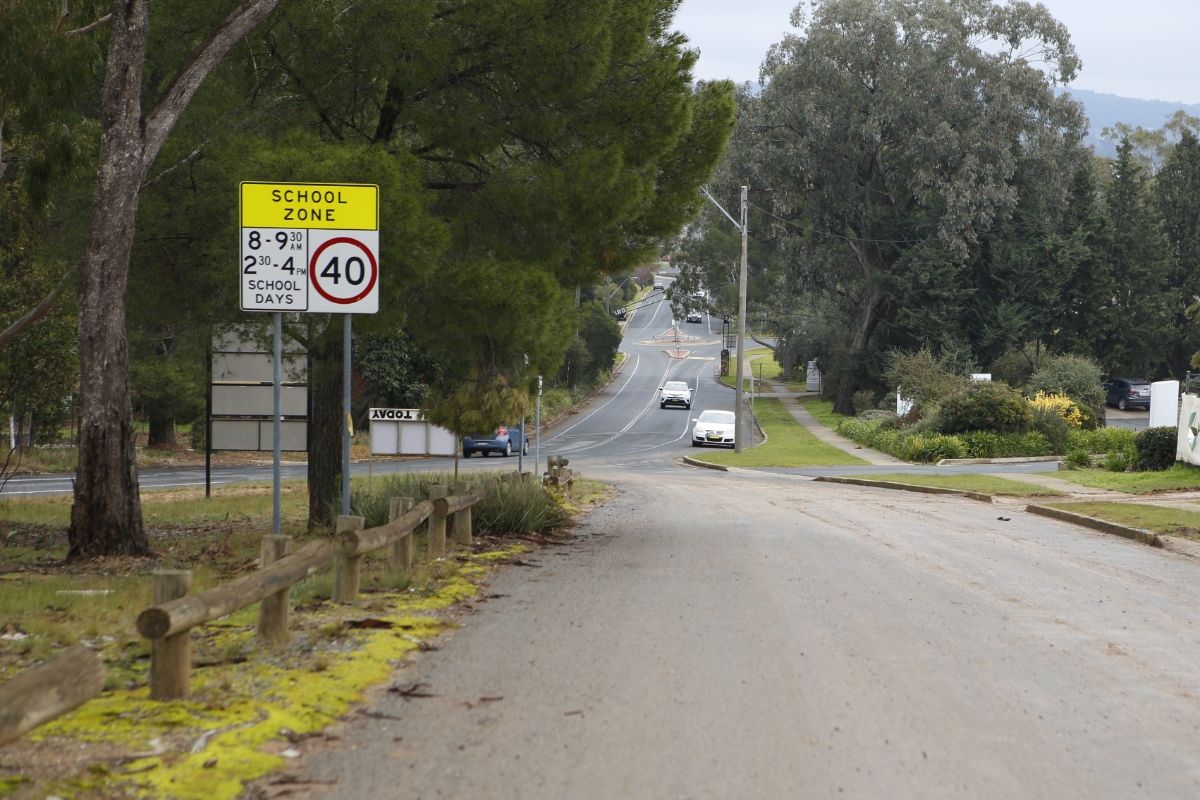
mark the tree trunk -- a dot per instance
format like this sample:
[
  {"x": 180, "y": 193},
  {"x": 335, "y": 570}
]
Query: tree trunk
[
  {"x": 869, "y": 316},
  {"x": 106, "y": 517},
  {"x": 325, "y": 426},
  {"x": 162, "y": 432}
]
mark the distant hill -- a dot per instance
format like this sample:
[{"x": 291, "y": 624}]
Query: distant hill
[{"x": 1105, "y": 110}]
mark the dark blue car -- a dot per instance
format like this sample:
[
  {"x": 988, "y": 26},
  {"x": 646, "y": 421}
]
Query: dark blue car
[{"x": 506, "y": 440}]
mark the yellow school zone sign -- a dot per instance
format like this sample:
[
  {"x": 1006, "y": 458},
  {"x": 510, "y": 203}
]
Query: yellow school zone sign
[
  {"x": 309, "y": 247},
  {"x": 327, "y": 206}
]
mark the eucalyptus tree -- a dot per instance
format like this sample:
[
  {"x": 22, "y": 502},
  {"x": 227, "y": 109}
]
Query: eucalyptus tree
[{"x": 891, "y": 131}]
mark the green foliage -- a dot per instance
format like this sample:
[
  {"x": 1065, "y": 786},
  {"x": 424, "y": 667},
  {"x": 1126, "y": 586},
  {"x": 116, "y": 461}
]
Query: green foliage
[
  {"x": 925, "y": 378},
  {"x": 1101, "y": 440},
  {"x": 1079, "y": 459},
  {"x": 507, "y": 508},
  {"x": 1016, "y": 365},
  {"x": 1120, "y": 460},
  {"x": 1078, "y": 377},
  {"x": 1050, "y": 424},
  {"x": 984, "y": 406},
  {"x": 1155, "y": 448},
  {"x": 931, "y": 447},
  {"x": 988, "y": 444},
  {"x": 395, "y": 371}
]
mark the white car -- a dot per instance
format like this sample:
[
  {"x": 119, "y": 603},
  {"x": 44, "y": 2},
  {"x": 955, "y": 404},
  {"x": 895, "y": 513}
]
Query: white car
[
  {"x": 713, "y": 427},
  {"x": 675, "y": 393},
  {"x": 695, "y": 316}
]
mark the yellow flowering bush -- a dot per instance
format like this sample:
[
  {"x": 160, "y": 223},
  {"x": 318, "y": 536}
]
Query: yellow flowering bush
[{"x": 1061, "y": 405}]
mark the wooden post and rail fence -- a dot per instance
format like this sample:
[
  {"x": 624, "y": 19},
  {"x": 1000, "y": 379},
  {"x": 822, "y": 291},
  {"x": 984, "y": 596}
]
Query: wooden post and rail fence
[{"x": 42, "y": 693}]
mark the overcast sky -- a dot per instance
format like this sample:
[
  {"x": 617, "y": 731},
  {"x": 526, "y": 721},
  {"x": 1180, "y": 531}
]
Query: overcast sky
[{"x": 1134, "y": 48}]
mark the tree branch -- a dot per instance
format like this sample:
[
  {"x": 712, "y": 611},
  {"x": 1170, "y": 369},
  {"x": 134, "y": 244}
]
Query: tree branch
[
  {"x": 91, "y": 26},
  {"x": 39, "y": 311},
  {"x": 203, "y": 60}
]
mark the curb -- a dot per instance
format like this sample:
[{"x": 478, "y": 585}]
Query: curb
[
  {"x": 1137, "y": 534},
  {"x": 1007, "y": 460},
  {"x": 907, "y": 487},
  {"x": 695, "y": 462}
]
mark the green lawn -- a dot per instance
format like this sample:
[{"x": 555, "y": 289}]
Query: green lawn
[
  {"x": 822, "y": 410},
  {"x": 789, "y": 444},
  {"x": 758, "y": 358},
  {"x": 1180, "y": 476},
  {"x": 986, "y": 484},
  {"x": 1160, "y": 519}
]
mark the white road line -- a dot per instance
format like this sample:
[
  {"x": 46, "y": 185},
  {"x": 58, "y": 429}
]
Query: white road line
[{"x": 614, "y": 397}]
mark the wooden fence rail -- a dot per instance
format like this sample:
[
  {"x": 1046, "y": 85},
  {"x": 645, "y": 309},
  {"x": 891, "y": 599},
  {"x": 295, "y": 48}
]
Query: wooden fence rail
[
  {"x": 169, "y": 621},
  {"x": 49, "y": 690}
]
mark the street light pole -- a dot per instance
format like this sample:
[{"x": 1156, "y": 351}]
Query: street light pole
[{"x": 739, "y": 411}]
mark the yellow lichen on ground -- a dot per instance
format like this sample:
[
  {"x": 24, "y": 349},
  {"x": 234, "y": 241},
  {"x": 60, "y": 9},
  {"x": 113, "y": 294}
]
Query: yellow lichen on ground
[{"x": 208, "y": 746}]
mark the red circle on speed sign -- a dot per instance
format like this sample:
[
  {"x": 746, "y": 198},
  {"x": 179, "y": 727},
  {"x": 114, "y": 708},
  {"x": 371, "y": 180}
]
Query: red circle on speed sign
[{"x": 338, "y": 271}]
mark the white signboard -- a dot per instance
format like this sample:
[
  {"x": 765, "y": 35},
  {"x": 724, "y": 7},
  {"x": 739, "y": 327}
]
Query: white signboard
[
  {"x": 1187, "y": 443},
  {"x": 404, "y": 432},
  {"x": 309, "y": 247}
]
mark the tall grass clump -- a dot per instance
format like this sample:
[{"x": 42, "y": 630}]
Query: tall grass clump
[{"x": 517, "y": 507}]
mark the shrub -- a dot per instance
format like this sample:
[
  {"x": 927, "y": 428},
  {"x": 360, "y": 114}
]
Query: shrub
[
  {"x": 1155, "y": 448},
  {"x": 1120, "y": 460},
  {"x": 1100, "y": 440},
  {"x": 524, "y": 507},
  {"x": 1061, "y": 405},
  {"x": 1050, "y": 424},
  {"x": 1079, "y": 459},
  {"x": 984, "y": 406},
  {"x": 863, "y": 400},
  {"x": 1078, "y": 378},
  {"x": 931, "y": 447},
  {"x": 886, "y": 419},
  {"x": 925, "y": 378},
  {"x": 981, "y": 444}
]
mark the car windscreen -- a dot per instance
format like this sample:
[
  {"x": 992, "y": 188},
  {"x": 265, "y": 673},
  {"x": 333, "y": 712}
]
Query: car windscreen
[
  {"x": 719, "y": 417},
  {"x": 675, "y": 386}
]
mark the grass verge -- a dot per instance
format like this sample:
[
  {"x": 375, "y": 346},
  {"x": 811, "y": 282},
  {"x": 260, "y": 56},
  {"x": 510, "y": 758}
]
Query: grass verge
[
  {"x": 757, "y": 358},
  {"x": 1178, "y": 477},
  {"x": 987, "y": 484},
  {"x": 822, "y": 411},
  {"x": 789, "y": 444},
  {"x": 247, "y": 703},
  {"x": 1160, "y": 519}
]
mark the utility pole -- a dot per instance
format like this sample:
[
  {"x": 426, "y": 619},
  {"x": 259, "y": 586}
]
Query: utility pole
[{"x": 739, "y": 411}]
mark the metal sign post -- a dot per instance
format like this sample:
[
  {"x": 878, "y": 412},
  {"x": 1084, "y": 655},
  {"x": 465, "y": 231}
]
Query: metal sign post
[
  {"x": 537, "y": 430},
  {"x": 347, "y": 429},
  {"x": 277, "y": 461}
]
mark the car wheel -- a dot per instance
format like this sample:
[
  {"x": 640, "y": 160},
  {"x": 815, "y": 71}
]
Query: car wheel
[
  {"x": 466, "y": 453},
  {"x": 507, "y": 449},
  {"x": 662, "y": 405},
  {"x": 1121, "y": 404},
  {"x": 695, "y": 443}
]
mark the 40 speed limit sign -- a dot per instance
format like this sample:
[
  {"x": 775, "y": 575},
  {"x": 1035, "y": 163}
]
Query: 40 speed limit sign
[{"x": 310, "y": 247}]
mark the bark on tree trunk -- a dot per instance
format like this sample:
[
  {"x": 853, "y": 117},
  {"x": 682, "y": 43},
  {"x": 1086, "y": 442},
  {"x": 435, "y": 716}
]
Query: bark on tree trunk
[
  {"x": 162, "y": 432},
  {"x": 325, "y": 426},
  {"x": 868, "y": 318},
  {"x": 106, "y": 517}
]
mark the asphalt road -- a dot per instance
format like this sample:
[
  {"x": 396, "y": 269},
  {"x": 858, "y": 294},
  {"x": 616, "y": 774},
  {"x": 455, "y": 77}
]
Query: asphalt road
[{"x": 749, "y": 635}]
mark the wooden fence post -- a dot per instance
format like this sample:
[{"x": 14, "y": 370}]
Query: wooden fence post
[
  {"x": 273, "y": 610},
  {"x": 437, "y": 524},
  {"x": 462, "y": 518},
  {"x": 401, "y": 555},
  {"x": 171, "y": 656},
  {"x": 346, "y": 567}
]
